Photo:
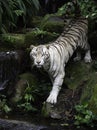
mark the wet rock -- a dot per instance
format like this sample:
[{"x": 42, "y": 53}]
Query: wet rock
[
  {"x": 6, "y": 124},
  {"x": 8, "y": 67},
  {"x": 11, "y": 65},
  {"x": 19, "y": 125}
]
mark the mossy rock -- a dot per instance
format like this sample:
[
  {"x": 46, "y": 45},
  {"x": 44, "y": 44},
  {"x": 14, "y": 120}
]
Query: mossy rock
[
  {"x": 52, "y": 23},
  {"x": 89, "y": 95},
  {"x": 26, "y": 79},
  {"x": 84, "y": 75},
  {"x": 12, "y": 40},
  {"x": 20, "y": 41},
  {"x": 35, "y": 22},
  {"x": 53, "y": 26},
  {"x": 38, "y": 36},
  {"x": 30, "y": 78},
  {"x": 76, "y": 74}
]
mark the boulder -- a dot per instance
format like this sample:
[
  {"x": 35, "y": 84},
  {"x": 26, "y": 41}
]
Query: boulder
[
  {"x": 25, "y": 80},
  {"x": 52, "y": 23},
  {"x": 38, "y": 36},
  {"x": 15, "y": 41}
]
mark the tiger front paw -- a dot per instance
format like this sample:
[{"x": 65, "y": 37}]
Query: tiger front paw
[{"x": 52, "y": 98}]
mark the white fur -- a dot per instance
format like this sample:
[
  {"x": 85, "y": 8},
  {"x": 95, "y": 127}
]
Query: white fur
[
  {"x": 57, "y": 65},
  {"x": 87, "y": 57}
]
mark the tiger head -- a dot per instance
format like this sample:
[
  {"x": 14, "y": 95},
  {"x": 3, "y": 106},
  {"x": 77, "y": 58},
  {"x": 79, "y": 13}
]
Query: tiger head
[{"x": 39, "y": 54}]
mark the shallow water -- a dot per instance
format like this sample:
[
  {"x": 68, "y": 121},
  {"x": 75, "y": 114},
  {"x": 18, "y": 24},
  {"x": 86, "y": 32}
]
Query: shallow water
[{"x": 35, "y": 122}]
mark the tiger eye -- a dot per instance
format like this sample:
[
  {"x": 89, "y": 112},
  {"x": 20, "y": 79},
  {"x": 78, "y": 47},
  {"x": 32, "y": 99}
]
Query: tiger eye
[{"x": 34, "y": 54}]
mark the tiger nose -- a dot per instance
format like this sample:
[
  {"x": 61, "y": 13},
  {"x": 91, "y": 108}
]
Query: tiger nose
[{"x": 38, "y": 62}]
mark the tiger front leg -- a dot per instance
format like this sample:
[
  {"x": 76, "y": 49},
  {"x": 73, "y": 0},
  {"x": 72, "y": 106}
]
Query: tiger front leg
[{"x": 58, "y": 81}]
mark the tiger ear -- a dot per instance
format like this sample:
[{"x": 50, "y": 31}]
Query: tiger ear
[{"x": 32, "y": 46}]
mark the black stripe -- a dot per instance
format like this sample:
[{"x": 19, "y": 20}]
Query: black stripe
[
  {"x": 80, "y": 32},
  {"x": 53, "y": 72},
  {"x": 81, "y": 26},
  {"x": 57, "y": 49},
  {"x": 72, "y": 36},
  {"x": 83, "y": 21},
  {"x": 69, "y": 54},
  {"x": 62, "y": 42},
  {"x": 75, "y": 30},
  {"x": 69, "y": 42}
]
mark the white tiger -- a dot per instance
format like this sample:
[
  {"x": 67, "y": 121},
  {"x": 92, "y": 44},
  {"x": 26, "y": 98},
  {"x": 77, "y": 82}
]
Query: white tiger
[{"x": 54, "y": 56}]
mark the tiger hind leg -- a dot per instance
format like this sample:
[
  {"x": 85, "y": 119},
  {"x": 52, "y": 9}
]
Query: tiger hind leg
[{"x": 87, "y": 57}]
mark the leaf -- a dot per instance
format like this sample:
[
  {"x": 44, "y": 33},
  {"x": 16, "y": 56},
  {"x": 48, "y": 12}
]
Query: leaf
[{"x": 6, "y": 108}]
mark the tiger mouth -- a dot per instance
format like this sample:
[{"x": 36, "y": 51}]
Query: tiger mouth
[{"x": 39, "y": 66}]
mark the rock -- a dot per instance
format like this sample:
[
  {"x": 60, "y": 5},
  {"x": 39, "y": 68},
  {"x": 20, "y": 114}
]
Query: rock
[
  {"x": 52, "y": 23},
  {"x": 10, "y": 40},
  {"x": 10, "y": 62},
  {"x": 35, "y": 22},
  {"x": 47, "y": 111},
  {"x": 81, "y": 80},
  {"x": 26, "y": 79},
  {"x": 23, "y": 41},
  {"x": 6, "y": 124},
  {"x": 19, "y": 125},
  {"x": 37, "y": 37}
]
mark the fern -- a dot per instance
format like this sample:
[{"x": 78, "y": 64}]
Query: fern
[{"x": 10, "y": 10}]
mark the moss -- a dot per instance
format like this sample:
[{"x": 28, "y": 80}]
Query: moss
[
  {"x": 30, "y": 78},
  {"x": 76, "y": 74},
  {"x": 45, "y": 110},
  {"x": 93, "y": 99},
  {"x": 18, "y": 41},
  {"x": 83, "y": 75},
  {"x": 35, "y": 22},
  {"x": 12, "y": 40},
  {"x": 53, "y": 26},
  {"x": 37, "y": 37},
  {"x": 90, "y": 93},
  {"x": 52, "y": 23}
]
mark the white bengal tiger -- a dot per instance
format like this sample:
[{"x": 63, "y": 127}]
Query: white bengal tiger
[{"x": 54, "y": 56}]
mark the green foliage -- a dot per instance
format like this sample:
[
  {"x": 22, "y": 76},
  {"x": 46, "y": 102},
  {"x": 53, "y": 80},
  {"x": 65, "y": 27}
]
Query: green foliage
[
  {"x": 38, "y": 36},
  {"x": 28, "y": 98},
  {"x": 3, "y": 104},
  {"x": 11, "y": 10},
  {"x": 15, "y": 41},
  {"x": 33, "y": 94},
  {"x": 88, "y": 9},
  {"x": 66, "y": 8},
  {"x": 84, "y": 116}
]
